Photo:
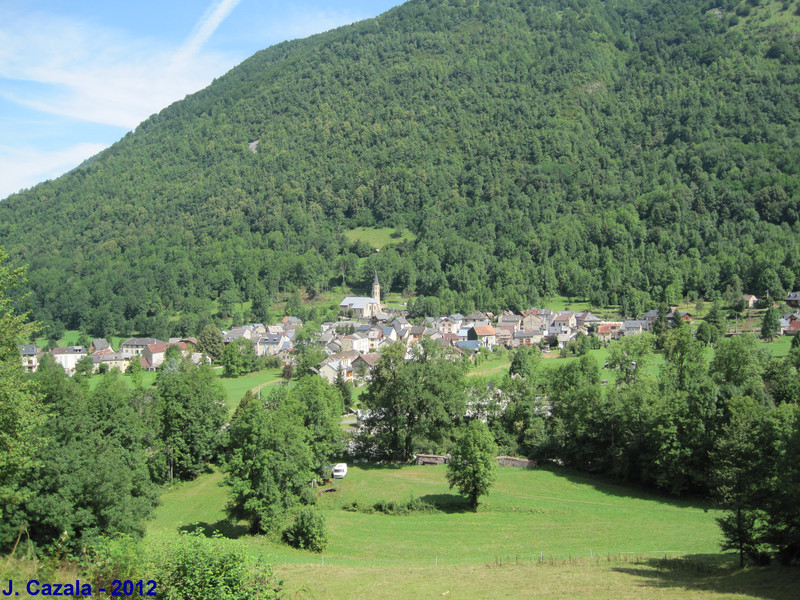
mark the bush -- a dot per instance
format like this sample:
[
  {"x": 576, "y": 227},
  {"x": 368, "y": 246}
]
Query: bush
[
  {"x": 198, "y": 567},
  {"x": 390, "y": 507},
  {"x": 308, "y": 531}
]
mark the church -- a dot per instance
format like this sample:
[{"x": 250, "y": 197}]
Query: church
[{"x": 364, "y": 308}]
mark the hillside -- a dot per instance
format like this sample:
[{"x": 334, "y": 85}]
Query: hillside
[{"x": 624, "y": 151}]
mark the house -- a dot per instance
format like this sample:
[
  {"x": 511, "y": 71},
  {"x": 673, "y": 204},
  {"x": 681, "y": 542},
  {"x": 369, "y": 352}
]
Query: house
[
  {"x": 793, "y": 299},
  {"x": 633, "y": 327},
  {"x": 29, "y": 355},
  {"x": 469, "y": 346},
  {"x": 449, "y": 339},
  {"x": 587, "y": 319},
  {"x": 608, "y": 331},
  {"x": 135, "y": 346},
  {"x": 191, "y": 342},
  {"x": 533, "y": 322},
  {"x": 364, "y": 364},
  {"x": 476, "y": 318},
  {"x": 510, "y": 320},
  {"x": 750, "y": 301},
  {"x": 270, "y": 344},
  {"x": 330, "y": 371},
  {"x": 112, "y": 360},
  {"x": 374, "y": 337},
  {"x": 99, "y": 344},
  {"x": 153, "y": 355},
  {"x": 650, "y": 317},
  {"x": 68, "y": 357},
  {"x": 484, "y": 334},
  {"x": 683, "y": 316},
  {"x": 448, "y": 325},
  {"x": 547, "y": 316},
  {"x": 504, "y": 334},
  {"x": 390, "y": 334},
  {"x": 342, "y": 362},
  {"x": 236, "y": 333},
  {"x": 793, "y": 329},
  {"x": 358, "y": 342},
  {"x": 526, "y": 338},
  {"x": 417, "y": 332},
  {"x": 565, "y": 319}
]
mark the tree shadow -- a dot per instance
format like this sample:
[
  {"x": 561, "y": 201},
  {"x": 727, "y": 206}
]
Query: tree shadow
[
  {"x": 448, "y": 503},
  {"x": 718, "y": 573},
  {"x": 371, "y": 466},
  {"x": 611, "y": 486},
  {"x": 225, "y": 527}
]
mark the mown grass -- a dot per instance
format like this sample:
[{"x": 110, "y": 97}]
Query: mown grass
[
  {"x": 235, "y": 387},
  {"x": 540, "y": 533},
  {"x": 378, "y": 237},
  {"x": 528, "y": 514}
]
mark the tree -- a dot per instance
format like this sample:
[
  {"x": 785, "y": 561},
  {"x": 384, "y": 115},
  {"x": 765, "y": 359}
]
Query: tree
[
  {"x": 210, "y": 342},
  {"x": 525, "y": 363},
  {"x": 190, "y": 413},
  {"x": 20, "y": 409},
  {"x": 270, "y": 466},
  {"x": 738, "y": 472},
  {"x": 239, "y": 358},
  {"x": 629, "y": 356},
  {"x": 473, "y": 462},
  {"x": 92, "y": 476},
  {"x": 413, "y": 403},
  {"x": 771, "y": 325},
  {"x": 84, "y": 367}
]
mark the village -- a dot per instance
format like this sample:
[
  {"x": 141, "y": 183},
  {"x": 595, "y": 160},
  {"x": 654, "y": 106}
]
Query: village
[{"x": 365, "y": 328}]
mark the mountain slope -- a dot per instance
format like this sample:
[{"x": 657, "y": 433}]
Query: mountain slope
[{"x": 627, "y": 151}]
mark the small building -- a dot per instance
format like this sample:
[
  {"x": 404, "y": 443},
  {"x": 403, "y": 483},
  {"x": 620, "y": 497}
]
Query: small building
[
  {"x": 98, "y": 345},
  {"x": 793, "y": 299},
  {"x": 29, "y": 355},
  {"x": 431, "y": 459},
  {"x": 68, "y": 357},
  {"x": 112, "y": 360},
  {"x": 513, "y": 461},
  {"x": 750, "y": 300},
  {"x": 484, "y": 334},
  {"x": 135, "y": 346},
  {"x": 365, "y": 363}
]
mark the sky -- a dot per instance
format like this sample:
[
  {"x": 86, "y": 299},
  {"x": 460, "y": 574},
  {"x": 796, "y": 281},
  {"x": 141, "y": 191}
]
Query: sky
[{"x": 77, "y": 75}]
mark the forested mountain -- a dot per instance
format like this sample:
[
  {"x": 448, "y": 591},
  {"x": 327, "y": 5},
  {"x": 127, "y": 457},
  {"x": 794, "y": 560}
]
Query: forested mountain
[{"x": 630, "y": 151}]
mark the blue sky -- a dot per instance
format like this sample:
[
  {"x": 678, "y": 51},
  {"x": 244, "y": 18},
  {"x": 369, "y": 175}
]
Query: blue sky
[{"x": 76, "y": 75}]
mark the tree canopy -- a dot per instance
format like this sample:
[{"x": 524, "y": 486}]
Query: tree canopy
[{"x": 627, "y": 152}]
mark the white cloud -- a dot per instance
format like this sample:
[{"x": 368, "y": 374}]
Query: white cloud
[
  {"x": 204, "y": 29},
  {"x": 22, "y": 168},
  {"x": 103, "y": 75}
]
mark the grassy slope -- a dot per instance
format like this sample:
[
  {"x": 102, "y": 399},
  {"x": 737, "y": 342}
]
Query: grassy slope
[
  {"x": 378, "y": 237},
  {"x": 583, "y": 528},
  {"x": 235, "y": 388},
  {"x": 559, "y": 514}
]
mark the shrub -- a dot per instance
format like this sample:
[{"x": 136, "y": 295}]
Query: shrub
[
  {"x": 198, "y": 567},
  {"x": 308, "y": 530}
]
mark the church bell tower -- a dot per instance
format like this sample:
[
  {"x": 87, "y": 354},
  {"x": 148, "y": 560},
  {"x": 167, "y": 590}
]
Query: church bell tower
[{"x": 376, "y": 289}]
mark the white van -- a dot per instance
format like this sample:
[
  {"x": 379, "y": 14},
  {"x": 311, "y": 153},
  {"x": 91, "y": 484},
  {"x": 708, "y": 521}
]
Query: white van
[{"x": 339, "y": 470}]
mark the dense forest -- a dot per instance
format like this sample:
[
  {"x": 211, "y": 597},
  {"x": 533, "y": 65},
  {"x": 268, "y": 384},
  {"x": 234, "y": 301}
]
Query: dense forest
[{"x": 628, "y": 151}]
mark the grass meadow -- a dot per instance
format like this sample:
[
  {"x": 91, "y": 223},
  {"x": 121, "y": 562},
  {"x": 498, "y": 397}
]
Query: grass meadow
[
  {"x": 540, "y": 533},
  {"x": 378, "y": 237}
]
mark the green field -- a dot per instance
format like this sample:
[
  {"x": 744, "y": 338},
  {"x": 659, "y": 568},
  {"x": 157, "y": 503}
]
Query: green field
[
  {"x": 378, "y": 237},
  {"x": 563, "y": 530},
  {"x": 235, "y": 387}
]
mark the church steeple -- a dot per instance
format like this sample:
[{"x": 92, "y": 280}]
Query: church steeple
[{"x": 376, "y": 289}]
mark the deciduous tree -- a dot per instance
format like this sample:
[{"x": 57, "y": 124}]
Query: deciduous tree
[{"x": 473, "y": 462}]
